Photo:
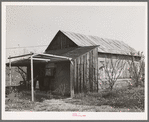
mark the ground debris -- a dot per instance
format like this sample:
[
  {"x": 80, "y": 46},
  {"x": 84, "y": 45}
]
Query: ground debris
[{"x": 122, "y": 100}]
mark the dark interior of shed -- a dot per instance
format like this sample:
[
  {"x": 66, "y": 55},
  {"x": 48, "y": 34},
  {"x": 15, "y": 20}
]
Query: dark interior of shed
[{"x": 43, "y": 77}]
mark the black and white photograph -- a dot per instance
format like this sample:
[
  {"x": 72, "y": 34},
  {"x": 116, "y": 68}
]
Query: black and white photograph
[{"x": 74, "y": 60}]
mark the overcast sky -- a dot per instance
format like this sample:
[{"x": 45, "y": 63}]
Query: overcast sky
[{"x": 37, "y": 25}]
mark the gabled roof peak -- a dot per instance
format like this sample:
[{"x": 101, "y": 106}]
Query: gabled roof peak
[{"x": 106, "y": 45}]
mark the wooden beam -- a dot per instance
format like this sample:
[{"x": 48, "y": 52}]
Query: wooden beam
[
  {"x": 82, "y": 68},
  {"x": 97, "y": 68},
  {"x": 90, "y": 71},
  {"x": 71, "y": 80},
  {"x": 41, "y": 59},
  {"x": 94, "y": 70},
  {"x": 20, "y": 56},
  {"x": 75, "y": 76},
  {"x": 32, "y": 79},
  {"x": 57, "y": 56},
  {"x": 78, "y": 63},
  {"x": 10, "y": 71},
  {"x": 22, "y": 70},
  {"x": 87, "y": 72}
]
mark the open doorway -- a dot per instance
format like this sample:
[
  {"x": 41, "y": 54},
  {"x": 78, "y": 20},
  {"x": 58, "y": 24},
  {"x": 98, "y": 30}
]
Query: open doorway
[{"x": 44, "y": 77}]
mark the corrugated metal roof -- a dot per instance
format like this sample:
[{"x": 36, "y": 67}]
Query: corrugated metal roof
[
  {"x": 72, "y": 52},
  {"x": 106, "y": 45}
]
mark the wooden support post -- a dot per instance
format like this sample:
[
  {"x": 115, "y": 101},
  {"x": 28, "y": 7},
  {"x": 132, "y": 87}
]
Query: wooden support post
[
  {"x": 56, "y": 56},
  {"x": 10, "y": 71},
  {"x": 71, "y": 80},
  {"x": 97, "y": 68},
  {"x": 32, "y": 79},
  {"x": 20, "y": 56},
  {"x": 41, "y": 59}
]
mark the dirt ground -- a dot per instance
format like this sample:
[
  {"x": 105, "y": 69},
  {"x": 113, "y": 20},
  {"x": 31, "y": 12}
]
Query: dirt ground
[{"x": 119, "y": 100}]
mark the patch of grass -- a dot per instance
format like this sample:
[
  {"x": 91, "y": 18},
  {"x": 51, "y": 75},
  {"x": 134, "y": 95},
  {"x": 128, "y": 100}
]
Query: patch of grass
[
  {"x": 13, "y": 102},
  {"x": 119, "y": 99},
  {"x": 124, "y": 100}
]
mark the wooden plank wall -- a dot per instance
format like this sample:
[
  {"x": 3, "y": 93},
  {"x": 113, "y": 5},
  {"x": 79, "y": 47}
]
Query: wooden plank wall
[
  {"x": 85, "y": 68},
  {"x": 61, "y": 41},
  {"x": 87, "y": 77},
  {"x": 90, "y": 71},
  {"x": 125, "y": 71},
  {"x": 62, "y": 78},
  {"x": 85, "y": 74}
]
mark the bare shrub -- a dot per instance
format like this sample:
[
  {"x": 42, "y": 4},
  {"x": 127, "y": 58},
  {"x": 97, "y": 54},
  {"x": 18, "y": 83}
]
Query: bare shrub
[
  {"x": 112, "y": 68},
  {"x": 137, "y": 69}
]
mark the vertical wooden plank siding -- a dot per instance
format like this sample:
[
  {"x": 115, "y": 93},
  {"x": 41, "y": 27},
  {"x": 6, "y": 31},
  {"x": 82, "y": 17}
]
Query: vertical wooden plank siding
[
  {"x": 96, "y": 68},
  {"x": 94, "y": 64},
  {"x": 10, "y": 75},
  {"x": 127, "y": 70},
  {"x": 90, "y": 71},
  {"x": 78, "y": 75},
  {"x": 87, "y": 72},
  {"x": 82, "y": 73},
  {"x": 62, "y": 78},
  {"x": 124, "y": 70},
  {"x": 61, "y": 42},
  {"x": 85, "y": 67},
  {"x": 93, "y": 55},
  {"x": 75, "y": 75},
  {"x": 71, "y": 80}
]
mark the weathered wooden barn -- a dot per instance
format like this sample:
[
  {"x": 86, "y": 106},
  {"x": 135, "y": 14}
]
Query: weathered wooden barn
[{"x": 73, "y": 62}]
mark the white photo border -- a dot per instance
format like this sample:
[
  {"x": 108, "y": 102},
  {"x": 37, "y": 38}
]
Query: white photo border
[{"x": 68, "y": 115}]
